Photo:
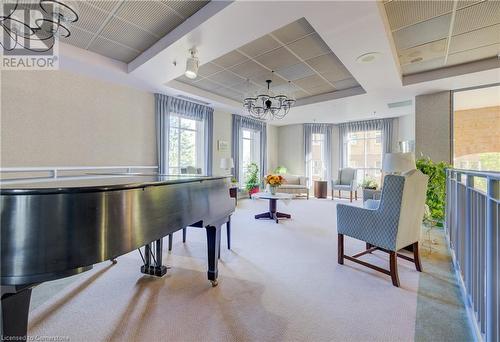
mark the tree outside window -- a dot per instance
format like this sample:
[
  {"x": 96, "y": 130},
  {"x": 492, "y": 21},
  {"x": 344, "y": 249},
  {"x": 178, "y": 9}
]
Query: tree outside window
[
  {"x": 186, "y": 144},
  {"x": 364, "y": 153}
]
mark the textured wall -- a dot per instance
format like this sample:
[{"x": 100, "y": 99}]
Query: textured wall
[
  {"x": 272, "y": 148},
  {"x": 222, "y": 131},
  {"x": 57, "y": 118},
  {"x": 432, "y": 126}
]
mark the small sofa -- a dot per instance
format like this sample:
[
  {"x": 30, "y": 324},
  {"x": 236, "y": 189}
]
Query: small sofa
[{"x": 294, "y": 185}]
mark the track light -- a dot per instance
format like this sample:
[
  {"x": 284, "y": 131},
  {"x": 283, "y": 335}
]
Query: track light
[{"x": 192, "y": 65}]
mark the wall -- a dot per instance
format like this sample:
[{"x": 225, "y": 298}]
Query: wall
[
  {"x": 272, "y": 148},
  {"x": 432, "y": 126},
  {"x": 222, "y": 131},
  {"x": 406, "y": 127},
  {"x": 57, "y": 118},
  {"x": 291, "y": 148},
  {"x": 476, "y": 131}
]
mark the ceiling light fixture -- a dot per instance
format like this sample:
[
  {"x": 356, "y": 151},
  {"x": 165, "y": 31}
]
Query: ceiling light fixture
[
  {"x": 369, "y": 57},
  {"x": 36, "y": 28},
  {"x": 192, "y": 65},
  {"x": 267, "y": 105}
]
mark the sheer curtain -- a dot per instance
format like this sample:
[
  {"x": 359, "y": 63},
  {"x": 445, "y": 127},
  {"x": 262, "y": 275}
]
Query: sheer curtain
[
  {"x": 240, "y": 122},
  {"x": 384, "y": 125},
  {"x": 164, "y": 106},
  {"x": 326, "y": 130}
]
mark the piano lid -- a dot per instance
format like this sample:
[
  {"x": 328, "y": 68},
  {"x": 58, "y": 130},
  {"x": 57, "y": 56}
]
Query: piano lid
[{"x": 97, "y": 182}]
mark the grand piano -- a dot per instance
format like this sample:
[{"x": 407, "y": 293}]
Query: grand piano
[{"x": 56, "y": 229}]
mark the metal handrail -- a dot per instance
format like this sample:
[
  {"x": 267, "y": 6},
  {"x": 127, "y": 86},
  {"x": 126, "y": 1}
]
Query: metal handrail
[
  {"x": 55, "y": 171},
  {"x": 473, "y": 234}
]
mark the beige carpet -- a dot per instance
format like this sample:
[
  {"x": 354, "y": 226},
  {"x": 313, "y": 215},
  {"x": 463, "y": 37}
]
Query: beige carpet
[{"x": 280, "y": 282}]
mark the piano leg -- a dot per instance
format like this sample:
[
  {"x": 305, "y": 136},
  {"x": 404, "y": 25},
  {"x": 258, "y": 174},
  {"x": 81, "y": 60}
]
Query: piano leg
[
  {"x": 213, "y": 247},
  {"x": 15, "y": 310},
  {"x": 153, "y": 262}
]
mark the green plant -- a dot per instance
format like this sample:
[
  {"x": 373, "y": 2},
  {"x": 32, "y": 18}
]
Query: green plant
[
  {"x": 369, "y": 183},
  {"x": 436, "y": 189},
  {"x": 252, "y": 180},
  {"x": 280, "y": 170},
  {"x": 234, "y": 180}
]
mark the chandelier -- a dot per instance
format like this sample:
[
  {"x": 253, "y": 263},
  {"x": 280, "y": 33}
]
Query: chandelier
[
  {"x": 268, "y": 106},
  {"x": 34, "y": 25}
]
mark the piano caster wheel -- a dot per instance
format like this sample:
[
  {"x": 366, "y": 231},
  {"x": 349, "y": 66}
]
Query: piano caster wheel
[
  {"x": 113, "y": 261},
  {"x": 214, "y": 283}
]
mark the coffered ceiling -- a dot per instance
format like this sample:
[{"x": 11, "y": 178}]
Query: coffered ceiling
[
  {"x": 433, "y": 34},
  {"x": 294, "y": 57},
  {"x": 123, "y": 29}
]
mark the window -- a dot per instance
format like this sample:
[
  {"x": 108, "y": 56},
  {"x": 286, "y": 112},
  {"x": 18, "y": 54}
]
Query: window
[
  {"x": 249, "y": 151},
  {"x": 318, "y": 167},
  {"x": 186, "y": 144},
  {"x": 364, "y": 152}
]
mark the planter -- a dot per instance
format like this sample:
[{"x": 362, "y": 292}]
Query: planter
[
  {"x": 272, "y": 189},
  {"x": 253, "y": 191}
]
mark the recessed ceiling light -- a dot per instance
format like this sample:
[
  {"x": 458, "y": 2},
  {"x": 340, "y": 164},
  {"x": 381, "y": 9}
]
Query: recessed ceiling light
[{"x": 369, "y": 57}]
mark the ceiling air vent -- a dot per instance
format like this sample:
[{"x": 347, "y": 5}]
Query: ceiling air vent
[
  {"x": 400, "y": 104},
  {"x": 192, "y": 99}
]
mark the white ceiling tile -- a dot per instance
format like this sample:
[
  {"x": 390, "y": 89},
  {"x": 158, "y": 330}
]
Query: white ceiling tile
[
  {"x": 424, "y": 32},
  {"x": 346, "y": 84},
  {"x": 474, "y": 55},
  {"x": 230, "y": 59},
  {"x": 208, "y": 69},
  {"x": 90, "y": 18},
  {"x": 278, "y": 58},
  {"x": 113, "y": 50},
  {"x": 226, "y": 78},
  {"x": 128, "y": 34},
  {"x": 293, "y": 31},
  {"x": 249, "y": 69},
  {"x": 475, "y": 39},
  {"x": 423, "y": 52},
  {"x": 309, "y": 47},
  {"x": 260, "y": 46},
  {"x": 78, "y": 37},
  {"x": 329, "y": 64},
  {"x": 401, "y": 13},
  {"x": 477, "y": 16},
  {"x": 296, "y": 71},
  {"x": 423, "y": 66},
  {"x": 106, "y": 5},
  {"x": 155, "y": 17},
  {"x": 185, "y": 8}
]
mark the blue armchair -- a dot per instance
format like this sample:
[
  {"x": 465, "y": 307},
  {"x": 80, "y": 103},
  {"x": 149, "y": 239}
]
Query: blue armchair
[
  {"x": 346, "y": 181},
  {"x": 387, "y": 225}
]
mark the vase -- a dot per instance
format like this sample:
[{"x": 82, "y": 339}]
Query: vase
[{"x": 273, "y": 189}]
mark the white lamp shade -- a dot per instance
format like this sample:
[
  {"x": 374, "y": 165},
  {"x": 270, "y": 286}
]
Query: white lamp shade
[
  {"x": 398, "y": 162},
  {"x": 226, "y": 163}
]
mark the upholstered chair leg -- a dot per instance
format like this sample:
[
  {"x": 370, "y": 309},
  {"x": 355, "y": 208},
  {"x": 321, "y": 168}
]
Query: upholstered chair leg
[
  {"x": 356, "y": 195},
  {"x": 340, "y": 248},
  {"x": 350, "y": 196},
  {"x": 416, "y": 257},
  {"x": 184, "y": 231},
  {"x": 332, "y": 195},
  {"x": 394, "y": 268},
  {"x": 339, "y": 194},
  {"x": 170, "y": 242}
]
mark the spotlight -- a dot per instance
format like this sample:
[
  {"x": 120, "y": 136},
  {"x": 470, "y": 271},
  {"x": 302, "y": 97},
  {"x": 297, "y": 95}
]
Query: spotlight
[{"x": 192, "y": 65}]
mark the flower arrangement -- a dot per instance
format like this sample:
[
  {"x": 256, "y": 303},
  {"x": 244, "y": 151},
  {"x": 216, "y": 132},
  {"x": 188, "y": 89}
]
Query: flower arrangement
[{"x": 274, "y": 181}]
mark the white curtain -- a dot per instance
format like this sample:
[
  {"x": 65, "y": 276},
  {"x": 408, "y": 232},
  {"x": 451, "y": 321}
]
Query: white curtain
[
  {"x": 164, "y": 106},
  {"x": 384, "y": 125},
  {"x": 326, "y": 130}
]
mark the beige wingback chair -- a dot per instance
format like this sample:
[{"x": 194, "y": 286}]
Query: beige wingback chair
[
  {"x": 388, "y": 225},
  {"x": 346, "y": 181}
]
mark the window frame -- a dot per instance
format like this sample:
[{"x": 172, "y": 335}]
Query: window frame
[
  {"x": 199, "y": 131},
  {"x": 365, "y": 140},
  {"x": 254, "y": 150}
]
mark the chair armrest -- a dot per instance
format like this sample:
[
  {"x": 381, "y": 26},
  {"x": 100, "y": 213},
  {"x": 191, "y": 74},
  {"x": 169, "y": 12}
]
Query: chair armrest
[{"x": 335, "y": 182}]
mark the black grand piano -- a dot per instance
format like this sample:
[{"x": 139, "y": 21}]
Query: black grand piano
[{"x": 56, "y": 229}]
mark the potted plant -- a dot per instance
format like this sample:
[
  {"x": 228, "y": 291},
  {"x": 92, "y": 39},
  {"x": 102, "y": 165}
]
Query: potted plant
[
  {"x": 274, "y": 181},
  {"x": 252, "y": 182},
  {"x": 436, "y": 188},
  {"x": 369, "y": 183}
]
